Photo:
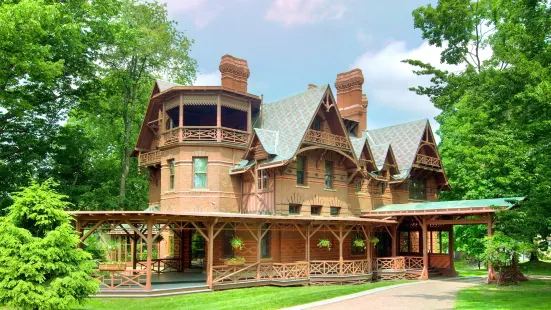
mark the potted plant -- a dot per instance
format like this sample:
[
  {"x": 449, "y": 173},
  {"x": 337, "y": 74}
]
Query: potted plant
[
  {"x": 374, "y": 240},
  {"x": 324, "y": 243},
  {"x": 112, "y": 266},
  {"x": 237, "y": 243},
  {"x": 235, "y": 261},
  {"x": 359, "y": 243}
]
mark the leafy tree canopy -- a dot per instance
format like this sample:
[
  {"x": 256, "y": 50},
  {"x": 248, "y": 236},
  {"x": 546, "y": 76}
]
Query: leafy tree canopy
[{"x": 40, "y": 264}]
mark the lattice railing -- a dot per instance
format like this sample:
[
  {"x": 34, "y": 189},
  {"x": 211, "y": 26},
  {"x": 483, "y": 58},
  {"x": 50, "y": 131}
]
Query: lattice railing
[
  {"x": 349, "y": 267},
  {"x": 260, "y": 271},
  {"x": 205, "y": 133},
  {"x": 171, "y": 136},
  {"x": 427, "y": 161},
  {"x": 325, "y": 138},
  {"x": 389, "y": 263},
  {"x": 128, "y": 279},
  {"x": 235, "y": 136},
  {"x": 150, "y": 158},
  {"x": 413, "y": 262},
  {"x": 199, "y": 134},
  {"x": 160, "y": 265}
]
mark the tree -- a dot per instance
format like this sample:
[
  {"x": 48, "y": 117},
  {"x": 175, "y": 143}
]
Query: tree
[
  {"x": 40, "y": 264},
  {"x": 470, "y": 240},
  {"x": 494, "y": 124}
]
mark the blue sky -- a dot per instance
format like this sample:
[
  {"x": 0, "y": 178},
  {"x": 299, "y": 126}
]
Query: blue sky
[{"x": 291, "y": 43}]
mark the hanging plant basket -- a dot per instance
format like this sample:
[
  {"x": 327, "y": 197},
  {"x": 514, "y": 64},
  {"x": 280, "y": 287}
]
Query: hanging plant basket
[
  {"x": 374, "y": 240},
  {"x": 324, "y": 243},
  {"x": 237, "y": 243},
  {"x": 235, "y": 261},
  {"x": 359, "y": 243}
]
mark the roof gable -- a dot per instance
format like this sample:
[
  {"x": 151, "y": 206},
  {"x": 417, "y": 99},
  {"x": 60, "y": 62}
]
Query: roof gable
[{"x": 268, "y": 139}]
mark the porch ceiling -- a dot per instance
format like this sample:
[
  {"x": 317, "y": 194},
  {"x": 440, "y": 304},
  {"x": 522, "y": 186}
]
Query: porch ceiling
[
  {"x": 139, "y": 216},
  {"x": 444, "y": 207}
]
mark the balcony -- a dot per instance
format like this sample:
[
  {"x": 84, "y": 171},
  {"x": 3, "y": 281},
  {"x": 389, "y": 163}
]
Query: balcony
[
  {"x": 425, "y": 160},
  {"x": 149, "y": 159},
  {"x": 326, "y": 139},
  {"x": 206, "y": 134}
]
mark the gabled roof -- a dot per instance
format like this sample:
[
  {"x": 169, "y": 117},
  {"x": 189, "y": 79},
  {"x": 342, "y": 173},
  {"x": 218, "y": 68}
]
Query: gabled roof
[
  {"x": 282, "y": 117},
  {"x": 404, "y": 138},
  {"x": 164, "y": 85},
  {"x": 380, "y": 153},
  {"x": 358, "y": 145},
  {"x": 268, "y": 139}
]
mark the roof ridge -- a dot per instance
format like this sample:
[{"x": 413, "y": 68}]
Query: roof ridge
[{"x": 401, "y": 124}]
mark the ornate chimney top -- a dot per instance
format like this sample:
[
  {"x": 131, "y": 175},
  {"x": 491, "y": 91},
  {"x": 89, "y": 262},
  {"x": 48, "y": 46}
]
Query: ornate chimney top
[
  {"x": 365, "y": 103},
  {"x": 310, "y": 86},
  {"x": 235, "y": 73},
  {"x": 349, "y": 81}
]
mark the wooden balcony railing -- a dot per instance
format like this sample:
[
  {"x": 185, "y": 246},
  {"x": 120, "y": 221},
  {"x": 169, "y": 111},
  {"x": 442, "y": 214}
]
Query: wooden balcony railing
[
  {"x": 204, "y": 133},
  {"x": 413, "y": 262},
  {"x": 127, "y": 280},
  {"x": 160, "y": 265},
  {"x": 149, "y": 158},
  {"x": 331, "y": 268},
  {"x": 260, "y": 271},
  {"x": 389, "y": 263},
  {"x": 325, "y": 138},
  {"x": 427, "y": 161}
]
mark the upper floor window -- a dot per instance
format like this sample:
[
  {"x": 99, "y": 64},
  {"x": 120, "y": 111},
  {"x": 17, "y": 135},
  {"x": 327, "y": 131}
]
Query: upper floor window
[
  {"x": 262, "y": 179},
  {"x": 199, "y": 172},
  {"x": 417, "y": 189},
  {"x": 334, "y": 211},
  {"x": 359, "y": 184},
  {"x": 172, "y": 167},
  {"x": 294, "y": 209},
  {"x": 316, "y": 124},
  {"x": 315, "y": 210},
  {"x": 300, "y": 170},
  {"x": 328, "y": 174}
]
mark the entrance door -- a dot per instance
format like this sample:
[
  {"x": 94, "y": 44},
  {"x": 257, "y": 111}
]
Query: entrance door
[
  {"x": 197, "y": 250},
  {"x": 384, "y": 246}
]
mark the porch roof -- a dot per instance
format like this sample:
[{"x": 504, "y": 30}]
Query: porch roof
[
  {"x": 160, "y": 216},
  {"x": 445, "y": 207}
]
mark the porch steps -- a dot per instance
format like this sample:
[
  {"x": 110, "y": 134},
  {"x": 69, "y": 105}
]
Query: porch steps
[{"x": 415, "y": 273}]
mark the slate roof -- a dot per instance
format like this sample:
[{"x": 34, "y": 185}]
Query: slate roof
[
  {"x": 268, "y": 139},
  {"x": 164, "y": 85},
  {"x": 357, "y": 145},
  {"x": 403, "y": 138},
  {"x": 379, "y": 153},
  {"x": 456, "y": 204}
]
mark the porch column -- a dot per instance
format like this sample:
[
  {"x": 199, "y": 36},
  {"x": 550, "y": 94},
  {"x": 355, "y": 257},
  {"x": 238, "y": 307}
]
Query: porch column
[
  {"x": 450, "y": 249},
  {"x": 149, "y": 253},
  {"x": 181, "y": 119},
  {"x": 209, "y": 253},
  {"x": 425, "y": 273},
  {"x": 258, "y": 249},
  {"x": 491, "y": 273},
  {"x": 307, "y": 247},
  {"x": 218, "y": 120},
  {"x": 133, "y": 248},
  {"x": 340, "y": 249},
  {"x": 394, "y": 237},
  {"x": 78, "y": 228},
  {"x": 369, "y": 245}
]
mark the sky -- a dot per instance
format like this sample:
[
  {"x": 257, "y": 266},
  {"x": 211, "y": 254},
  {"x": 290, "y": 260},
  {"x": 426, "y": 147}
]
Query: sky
[{"x": 289, "y": 44}]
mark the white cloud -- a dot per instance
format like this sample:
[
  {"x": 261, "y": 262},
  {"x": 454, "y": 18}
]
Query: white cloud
[
  {"x": 208, "y": 79},
  {"x": 203, "y": 12},
  {"x": 297, "y": 12}
]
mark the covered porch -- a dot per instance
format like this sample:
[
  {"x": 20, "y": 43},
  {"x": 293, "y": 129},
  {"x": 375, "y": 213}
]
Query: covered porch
[
  {"x": 422, "y": 244},
  {"x": 278, "y": 250}
]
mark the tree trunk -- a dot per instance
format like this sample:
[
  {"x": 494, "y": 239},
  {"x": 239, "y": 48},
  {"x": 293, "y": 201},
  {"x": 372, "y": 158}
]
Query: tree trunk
[{"x": 534, "y": 256}]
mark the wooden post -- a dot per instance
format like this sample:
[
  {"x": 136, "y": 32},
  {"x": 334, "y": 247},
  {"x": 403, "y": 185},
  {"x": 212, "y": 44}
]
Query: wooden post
[
  {"x": 119, "y": 256},
  {"x": 78, "y": 228},
  {"x": 425, "y": 273},
  {"x": 450, "y": 249},
  {"x": 308, "y": 243},
  {"x": 218, "y": 120},
  {"x": 258, "y": 249},
  {"x": 394, "y": 238},
  {"x": 368, "y": 247},
  {"x": 210, "y": 255},
  {"x": 181, "y": 119},
  {"x": 133, "y": 247},
  {"x": 149, "y": 253},
  {"x": 340, "y": 249},
  {"x": 491, "y": 273},
  {"x": 249, "y": 120}
]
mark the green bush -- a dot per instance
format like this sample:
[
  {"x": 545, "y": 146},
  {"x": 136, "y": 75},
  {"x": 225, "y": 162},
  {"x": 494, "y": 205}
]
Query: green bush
[{"x": 40, "y": 264}]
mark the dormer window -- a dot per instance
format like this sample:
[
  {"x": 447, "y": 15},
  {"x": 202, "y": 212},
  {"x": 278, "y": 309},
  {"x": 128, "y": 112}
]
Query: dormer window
[{"x": 316, "y": 124}]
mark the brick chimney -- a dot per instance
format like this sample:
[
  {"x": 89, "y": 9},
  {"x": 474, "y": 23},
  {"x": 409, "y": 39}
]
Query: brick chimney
[
  {"x": 235, "y": 73},
  {"x": 350, "y": 100},
  {"x": 310, "y": 86}
]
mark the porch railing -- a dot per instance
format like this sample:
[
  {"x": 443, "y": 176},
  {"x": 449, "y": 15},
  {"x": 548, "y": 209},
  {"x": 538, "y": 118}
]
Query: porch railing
[
  {"x": 260, "y": 271},
  {"x": 427, "y": 161},
  {"x": 204, "y": 133},
  {"x": 149, "y": 158},
  {"x": 127, "y": 279},
  {"x": 160, "y": 265},
  {"x": 413, "y": 262},
  {"x": 325, "y": 138},
  {"x": 389, "y": 263},
  {"x": 332, "y": 268}
]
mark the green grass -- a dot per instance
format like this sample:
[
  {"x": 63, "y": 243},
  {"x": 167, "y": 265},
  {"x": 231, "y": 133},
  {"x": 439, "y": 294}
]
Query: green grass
[
  {"x": 268, "y": 297},
  {"x": 465, "y": 269},
  {"x": 533, "y": 294},
  {"x": 541, "y": 268}
]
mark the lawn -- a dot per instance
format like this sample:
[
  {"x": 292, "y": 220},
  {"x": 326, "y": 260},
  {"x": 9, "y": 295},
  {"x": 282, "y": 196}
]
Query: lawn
[
  {"x": 268, "y": 297},
  {"x": 541, "y": 268},
  {"x": 533, "y": 294},
  {"x": 465, "y": 269}
]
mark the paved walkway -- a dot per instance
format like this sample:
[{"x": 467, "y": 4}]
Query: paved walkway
[{"x": 434, "y": 294}]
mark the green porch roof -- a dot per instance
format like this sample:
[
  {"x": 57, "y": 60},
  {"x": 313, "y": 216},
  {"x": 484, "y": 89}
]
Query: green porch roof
[{"x": 455, "y": 205}]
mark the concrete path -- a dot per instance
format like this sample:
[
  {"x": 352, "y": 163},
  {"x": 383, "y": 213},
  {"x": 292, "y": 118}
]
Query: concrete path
[{"x": 433, "y": 294}]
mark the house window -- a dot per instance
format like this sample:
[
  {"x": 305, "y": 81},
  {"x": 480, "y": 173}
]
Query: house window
[
  {"x": 357, "y": 250},
  {"x": 359, "y": 184},
  {"x": 199, "y": 172},
  {"x": 334, "y": 211},
  {"x": 227, "y": 249},
  {"x": 315, "y": 210},
  {"x": 328, "y": 174},
  {"x": 404, "y": 241},
  {"x": 300, "y": 170},
  {"x": 294, "y": 209},
  {"x": 438, "y": 242},
  {"x": 265, "y": 243},
  {"x": 262, "y": 179},
  {"x": 414, "y": 242},
  {"x": 172, "y": 165},
  {"x": 316, "y": 124},
  {"x": 382, "y": 187},
  {"x": 417, "y": 189}
]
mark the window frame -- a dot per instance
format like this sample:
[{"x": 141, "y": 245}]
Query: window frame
[
  {"x": 262, "y": 180},
  {"x": 417, "y": 189},
  {"x": 194, "y": 172},
  {"x": 172, "y": 170},
  {"x": 296, "y": 207},
  {"x": 338, "y": 209},
  {"x": 301, "y": 180},
  {"x": 315, "y": 207},
  {"x": 328, "y": 175}
]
